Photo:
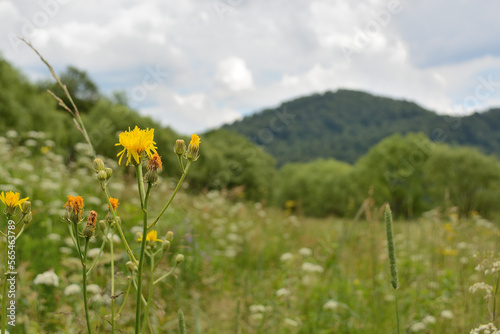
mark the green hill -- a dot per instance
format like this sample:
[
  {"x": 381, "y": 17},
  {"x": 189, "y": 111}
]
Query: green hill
[{"x": 345, "y": 124}]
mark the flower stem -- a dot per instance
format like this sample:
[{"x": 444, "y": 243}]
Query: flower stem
[
  {"x": 85, "y": 303},
  {"x": 112, "y": 284},
  {"x": 181, "y": 180},
  {"x": 119, "y": 227},
  {"x": 144, "y": 206},
  {"x": 493, "y": 316},
  {"x": 150, "y": 292}
]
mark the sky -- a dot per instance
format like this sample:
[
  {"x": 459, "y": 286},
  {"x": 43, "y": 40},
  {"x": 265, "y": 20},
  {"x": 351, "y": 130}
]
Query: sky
[{"x": 194, "y": 65}]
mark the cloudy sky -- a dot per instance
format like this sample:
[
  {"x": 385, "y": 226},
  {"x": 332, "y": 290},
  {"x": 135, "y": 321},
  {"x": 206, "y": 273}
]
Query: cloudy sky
[{"x": 196, "y": 64}]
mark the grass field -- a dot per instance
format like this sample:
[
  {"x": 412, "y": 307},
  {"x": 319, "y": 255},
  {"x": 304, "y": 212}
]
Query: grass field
[{"x": 248, "y": 268}]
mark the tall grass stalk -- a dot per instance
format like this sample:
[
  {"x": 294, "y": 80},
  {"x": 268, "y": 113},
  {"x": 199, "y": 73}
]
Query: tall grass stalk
[{"x": 392, "y": 257}]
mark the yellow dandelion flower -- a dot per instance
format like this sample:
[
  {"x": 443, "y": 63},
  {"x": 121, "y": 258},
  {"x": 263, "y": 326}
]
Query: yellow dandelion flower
[
  {"x": 135, "y": 142},
  {"x": 11, "y": 199},
  {"x": 151, "y": 237}
]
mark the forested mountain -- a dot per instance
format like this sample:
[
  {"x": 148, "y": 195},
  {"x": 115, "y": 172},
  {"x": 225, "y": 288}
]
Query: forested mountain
[{"x": 345, "y": 124}]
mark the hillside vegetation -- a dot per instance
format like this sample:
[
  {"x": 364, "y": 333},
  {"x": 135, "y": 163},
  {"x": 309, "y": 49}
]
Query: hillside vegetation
[{"x": 345, "y": 124}]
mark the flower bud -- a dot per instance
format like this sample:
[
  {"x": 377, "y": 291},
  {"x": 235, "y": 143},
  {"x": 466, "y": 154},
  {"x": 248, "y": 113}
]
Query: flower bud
[
  {"x": 131, "y": 266},
  {"x": 89, "y": 229},
  {"x": 27, "y": 218},
  {"x": 102, "y": 225},
  {"x": 151, "y": 176},
  {"x": 180, "y": 147},
  {"x": 98, "y": 165},
  {"x": 102, "y": 175},
  {"x": 179, "y": 259},
  {"x": 165, "y": 245},
  {"x": 109, "y": 172},
  {"x": 26, "y": 207},
  {"x": 169, "y": 236}
]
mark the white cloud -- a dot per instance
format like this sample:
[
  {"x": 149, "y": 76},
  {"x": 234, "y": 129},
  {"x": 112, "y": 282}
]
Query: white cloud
[
  {"x": 234, "y": 74},
  {"x": 259, "y": 53}
]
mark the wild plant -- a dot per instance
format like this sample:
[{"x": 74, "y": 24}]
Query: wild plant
[{"x": 138, "y": 150}]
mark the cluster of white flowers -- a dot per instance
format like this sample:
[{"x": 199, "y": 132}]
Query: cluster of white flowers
[
  {"x": 72, "y": 289},
  {"x": 481, "y": 286},
  {"x": 312, "y": 268},
  {"x": 305, "y": 251},
  {"x": 283, "y": 292},
  {"x": 47, "y": 278},
  {"x": 447, "y": 314},
  {"x": 257, "y": 313},
  {"x": 429, "y": 320},
  {"x": 485, "y": 329},
  {"x": 331, "y": 305},
  {"x": 291, "y": 323},
  {"x": 285, "y": 257},
  {"x": 417, "y": 327}
]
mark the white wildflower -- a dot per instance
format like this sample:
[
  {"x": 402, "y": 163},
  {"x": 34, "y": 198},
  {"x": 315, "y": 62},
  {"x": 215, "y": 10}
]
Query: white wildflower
[
  {"x": 47, "y": 278},
  {"x": 311, "y": 267},
  {"x": 93, "y": 288},
  {"x": 11, "y": 134},
  {"x": 481, "y": 286},
  {"x": 485, "y": 329},
  {"x": 285, "y": 257},
  {"x": 417, "y": 327},
  {"x": 72, "y": 289},
  {"x": 93, "y": 252},
  {"x": 447, "y": 314},
  {"x": 283, "y": 292},
  {"x": 291, "y": 323},
  {"x": 331, "y": 305},
  {"x": 66, "y": 250},
  {"x": 429, "y": 320},
  {"x": 257, "y": 309},
  {"x": 53, "y": 237},
  {"x": 305, "y": 251}
]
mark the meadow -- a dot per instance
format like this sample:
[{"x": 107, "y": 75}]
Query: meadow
[{"x": 248, "y": 267}]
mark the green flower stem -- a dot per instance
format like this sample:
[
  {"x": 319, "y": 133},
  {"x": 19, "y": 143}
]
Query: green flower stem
[
  {"x": 77, "y": 239},
  {"x": 20, "y": 232},
  {"x": 98, "y": 255},
  {"x": 112, "y": 283},
  {"x": 124, "y": 298},
  {"x": 85, "y": 302},
  {"x": 150, "y": 292},
  {"x": 144, "y": 205},
  {"x": 140, "y": 184},
  {"x": 181, "y": 180},
  {"x": 179, "y": 158},
  {"x": 166, "y": 275},
  {"x": 142, "y": 297},
  {"x": 119, "y": 227},
  {"x": 493, "y": 316}
]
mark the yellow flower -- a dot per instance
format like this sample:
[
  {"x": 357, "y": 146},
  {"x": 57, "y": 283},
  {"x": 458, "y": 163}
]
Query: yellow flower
[
  {"x": 193, "y": 148},
  {"x": 74, "y": 203},
  {"x": 11, "y": 199},
  {"x": 151, "y": 237},
  {"x": 114, "y": 203},
  {"x": 135, "y": 142},
  {"x": 195, "y": 140}
]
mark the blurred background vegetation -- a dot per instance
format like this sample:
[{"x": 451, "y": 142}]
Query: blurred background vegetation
[{"x": 323, "y": 152}]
